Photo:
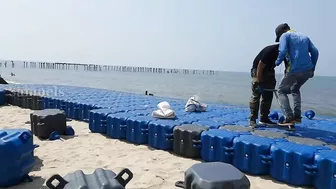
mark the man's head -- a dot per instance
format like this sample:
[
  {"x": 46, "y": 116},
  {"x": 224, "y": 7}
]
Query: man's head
[{"x": 282, "y": 28}]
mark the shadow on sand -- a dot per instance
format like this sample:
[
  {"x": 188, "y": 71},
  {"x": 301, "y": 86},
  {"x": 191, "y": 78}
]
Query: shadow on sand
[
  {"x": 38, "y": 164},
  {"x": 277, "y": 182},
  {"x": 64, "y": 137}
]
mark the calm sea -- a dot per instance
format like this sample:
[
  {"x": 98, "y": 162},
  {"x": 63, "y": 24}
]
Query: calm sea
[{"x": 226, "y": 87}]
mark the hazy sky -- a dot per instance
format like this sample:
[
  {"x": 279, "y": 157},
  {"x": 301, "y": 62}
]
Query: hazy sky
[{"x": 208, "y": 34}]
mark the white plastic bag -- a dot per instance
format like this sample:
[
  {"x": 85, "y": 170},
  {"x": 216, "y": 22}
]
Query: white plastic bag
[
  {"x": 194, "y": 105},
  {"x": 164, "y": 111}
]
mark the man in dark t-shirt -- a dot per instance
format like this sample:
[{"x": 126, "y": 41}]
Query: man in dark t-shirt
[{"x": 263, "y": 76}]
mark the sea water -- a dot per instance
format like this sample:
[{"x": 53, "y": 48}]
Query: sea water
[{"x": 226, "y": 87}]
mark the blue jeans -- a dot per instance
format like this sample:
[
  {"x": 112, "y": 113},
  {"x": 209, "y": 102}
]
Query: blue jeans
[{"x": 291, "y": 84}]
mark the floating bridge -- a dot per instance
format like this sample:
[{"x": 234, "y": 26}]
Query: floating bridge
[{"x": 306, "y": 157}]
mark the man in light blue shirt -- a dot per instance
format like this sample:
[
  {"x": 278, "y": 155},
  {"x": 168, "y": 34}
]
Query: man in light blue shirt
[{"x": 302, "y": 57}]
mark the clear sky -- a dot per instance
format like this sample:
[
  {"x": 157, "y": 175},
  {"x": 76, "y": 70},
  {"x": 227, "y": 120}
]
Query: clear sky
[{"x": 197, "y": 34}]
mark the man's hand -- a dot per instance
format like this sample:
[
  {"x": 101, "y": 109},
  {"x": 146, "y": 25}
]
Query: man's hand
[
  {"x": 259, "y": 83},
  {"x": 259, "y": 86}
]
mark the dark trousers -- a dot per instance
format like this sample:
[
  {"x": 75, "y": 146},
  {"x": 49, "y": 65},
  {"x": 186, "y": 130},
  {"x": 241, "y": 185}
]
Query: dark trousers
[
  {"x": 269, "y": 82},
  {"x": 291, "y": 84}
]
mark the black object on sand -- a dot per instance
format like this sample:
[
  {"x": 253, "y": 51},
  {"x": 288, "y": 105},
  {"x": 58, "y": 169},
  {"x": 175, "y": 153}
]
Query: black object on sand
[
  {"x": 44, "y": 122},
  {"x": 99, "y": 179},
  {"x": 213, "y": 175},
  {"x": 2, "y": 81}
]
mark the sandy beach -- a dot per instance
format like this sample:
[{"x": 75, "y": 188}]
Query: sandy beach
[{"x": 152, "y": 169}]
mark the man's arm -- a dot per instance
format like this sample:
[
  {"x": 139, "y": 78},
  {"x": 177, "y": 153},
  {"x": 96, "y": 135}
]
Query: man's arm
[
  {"x": 260, "y": 71},
  {"x": 282, "y": 49},
  {"x": 314, "y": 53}
]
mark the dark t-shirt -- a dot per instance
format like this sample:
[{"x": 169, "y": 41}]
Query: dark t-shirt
[{"x": 268, "y": 56}]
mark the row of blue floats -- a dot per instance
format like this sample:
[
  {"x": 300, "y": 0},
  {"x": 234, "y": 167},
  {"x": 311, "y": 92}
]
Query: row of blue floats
[{"x": 306, "y": 157}]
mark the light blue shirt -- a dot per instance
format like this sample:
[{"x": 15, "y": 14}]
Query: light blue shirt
[{"x": 300, "y": 52}]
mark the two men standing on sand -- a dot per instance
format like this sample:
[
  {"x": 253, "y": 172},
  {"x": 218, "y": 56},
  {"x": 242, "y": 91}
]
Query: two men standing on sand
[{"x": 300, "y": 57}]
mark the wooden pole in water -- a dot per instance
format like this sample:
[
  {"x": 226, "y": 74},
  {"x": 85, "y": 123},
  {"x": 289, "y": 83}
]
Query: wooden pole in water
[{"x": 95, "y": 67}]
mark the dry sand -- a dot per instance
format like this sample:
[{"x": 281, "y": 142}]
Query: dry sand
[{"x": 152, "y": 169}]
